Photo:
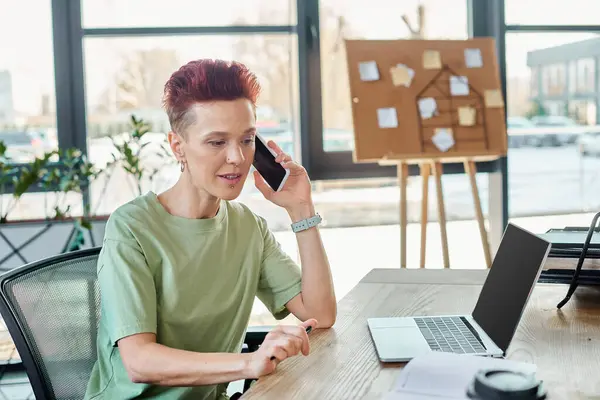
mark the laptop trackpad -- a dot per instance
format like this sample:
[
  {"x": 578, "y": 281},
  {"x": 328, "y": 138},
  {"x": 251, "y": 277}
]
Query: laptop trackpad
[{"x": 399, "y": 344}]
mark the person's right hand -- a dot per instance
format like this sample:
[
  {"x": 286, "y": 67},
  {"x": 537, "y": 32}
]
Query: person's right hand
[{"x": 282, "y": 342}]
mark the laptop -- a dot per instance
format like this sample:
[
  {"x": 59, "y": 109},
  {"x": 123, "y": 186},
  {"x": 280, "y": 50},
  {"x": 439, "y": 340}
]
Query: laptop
[{"x": 490, "y": 328}]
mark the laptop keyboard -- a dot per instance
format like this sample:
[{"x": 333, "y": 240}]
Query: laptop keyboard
[{"x": 450, "y": 335}]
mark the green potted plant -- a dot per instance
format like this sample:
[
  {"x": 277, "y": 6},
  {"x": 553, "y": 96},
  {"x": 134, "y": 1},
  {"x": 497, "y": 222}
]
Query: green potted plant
[
  {"x": 72, "y": 176},
  {"x": 138, "y": 157},
  {"x": 133, "y": 148},
  {"x": 21, "y": 179},
  {"x": 26, "y": 240},
  {"x": 63, "y": 184}
]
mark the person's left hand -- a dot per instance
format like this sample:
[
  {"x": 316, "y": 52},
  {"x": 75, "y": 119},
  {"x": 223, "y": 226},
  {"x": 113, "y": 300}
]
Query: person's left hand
[{"x": 295, "y": 196}]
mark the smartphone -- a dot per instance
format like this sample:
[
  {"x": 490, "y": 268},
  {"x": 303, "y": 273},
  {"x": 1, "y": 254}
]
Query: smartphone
[{"x": 264, "y": 162}]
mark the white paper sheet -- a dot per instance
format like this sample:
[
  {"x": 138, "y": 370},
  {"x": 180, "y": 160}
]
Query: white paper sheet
[
  {"x": 387, "y": 118},
  {"x": 368, "y": 71},
  {"x": 459, "y": 85},
  {"x": 403, "y": 395},
  {"x": 473, "y": 58},
  {"x": 427, "y": 107},
  {"x": 452, "y": 374},
  {"x": 443, "y": 139}
]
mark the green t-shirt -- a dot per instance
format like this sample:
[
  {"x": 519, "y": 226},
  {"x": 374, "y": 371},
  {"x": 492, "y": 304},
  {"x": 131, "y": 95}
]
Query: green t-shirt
[{"x": 192, "y": 282}]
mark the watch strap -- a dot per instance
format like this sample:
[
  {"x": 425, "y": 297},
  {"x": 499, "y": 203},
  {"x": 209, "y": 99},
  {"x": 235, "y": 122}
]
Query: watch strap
[{"x": 306, "y": 223}]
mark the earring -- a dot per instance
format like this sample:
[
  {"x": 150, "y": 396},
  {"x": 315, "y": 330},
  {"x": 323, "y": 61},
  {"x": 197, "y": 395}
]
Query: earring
[{"x": 182, "y": 167}]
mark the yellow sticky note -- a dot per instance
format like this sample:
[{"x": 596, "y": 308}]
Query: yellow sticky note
[
  {"x": 402, "y": 75},
  {"x": 493, "y": 98},
  {"x": 466, "y": 116},
  {"x": 432, "y": 59}
]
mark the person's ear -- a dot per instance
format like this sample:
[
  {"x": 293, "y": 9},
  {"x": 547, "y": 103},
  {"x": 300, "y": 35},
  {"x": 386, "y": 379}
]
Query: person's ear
[{"x": 176, "y": 145}]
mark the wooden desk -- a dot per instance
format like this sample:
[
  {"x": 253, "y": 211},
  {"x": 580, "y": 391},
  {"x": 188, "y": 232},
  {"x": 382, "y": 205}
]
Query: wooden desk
[{"x": 343, "y": 364}]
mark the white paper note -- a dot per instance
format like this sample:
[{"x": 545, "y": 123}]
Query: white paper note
[
  {"x": 387, "y": 118},
  {"x": 427, "y": 107},
  {"x": 406, "y": 395},
  {"x": 452, "y": 374},
  {"x": 443, "y": 139},
  {"x": 459, "y": 85},
  {"x": 473, "y": 58},
  {"x": 368, "y": 71}
]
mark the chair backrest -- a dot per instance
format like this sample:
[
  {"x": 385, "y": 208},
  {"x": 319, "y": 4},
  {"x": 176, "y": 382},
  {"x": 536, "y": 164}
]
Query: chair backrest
[{"x": 51, "y": 309}]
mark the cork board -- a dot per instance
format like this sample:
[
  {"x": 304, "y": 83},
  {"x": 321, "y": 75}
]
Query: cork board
[{"x": 426, "y": 99}]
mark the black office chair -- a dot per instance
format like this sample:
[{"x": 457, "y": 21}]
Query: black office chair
[{"x": 51, "y": 309}]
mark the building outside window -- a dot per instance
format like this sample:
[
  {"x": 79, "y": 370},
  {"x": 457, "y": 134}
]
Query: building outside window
[
  {"x": 27, "y": 101},
  {"x": 558, "y": 116}
]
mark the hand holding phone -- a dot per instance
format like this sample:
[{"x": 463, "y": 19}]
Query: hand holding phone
[{"x": 264, "y": 161}]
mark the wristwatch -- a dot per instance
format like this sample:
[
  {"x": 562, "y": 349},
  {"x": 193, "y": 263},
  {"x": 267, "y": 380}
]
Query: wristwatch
[{"x": 306, "y": 223}]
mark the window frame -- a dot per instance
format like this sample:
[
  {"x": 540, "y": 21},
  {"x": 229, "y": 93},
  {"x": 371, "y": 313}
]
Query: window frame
[
  {"x": 498, "y": 6},
  {"x": 69, "y": 35},
  {"x": 323, "y": 165},
  {"x": 484, "y": 20}
]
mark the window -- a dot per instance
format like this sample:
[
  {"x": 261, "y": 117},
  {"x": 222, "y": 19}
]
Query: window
[
  {"x": 351, "y": 19},
  {"x": 373, "y": 200},
  {"x": 126, "y": 76},
  {"x": 572, "y": 76},
  {"x": 551, "y": 12},
  {"x": 534, "y": 81},
  {"x": 27, "y": 101},
  {"x": 583, "y": 111},
  {"x": 178, "y": 13},
  {"x": 585, "y": 75},
  {"x": 564, "y": 185},
  {"x": 598, "y": 72},
  {"x": 554, "y": 108},
  {"x": 553, "y": 79}
]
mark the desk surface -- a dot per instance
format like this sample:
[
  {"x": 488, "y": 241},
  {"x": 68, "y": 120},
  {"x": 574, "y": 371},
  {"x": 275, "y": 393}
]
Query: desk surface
[{"x": 565, "y": 344}]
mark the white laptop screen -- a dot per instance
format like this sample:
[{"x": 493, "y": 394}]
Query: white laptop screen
[{"x": 509, "y": 283}]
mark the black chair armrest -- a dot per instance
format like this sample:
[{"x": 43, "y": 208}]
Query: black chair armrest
[{"x": 255, "y": 335}]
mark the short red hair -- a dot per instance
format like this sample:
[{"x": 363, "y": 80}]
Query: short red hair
[{"x": 204, "y": 81}]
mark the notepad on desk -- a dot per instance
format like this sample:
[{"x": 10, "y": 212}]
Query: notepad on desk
[{"x": 439, "y": 375}]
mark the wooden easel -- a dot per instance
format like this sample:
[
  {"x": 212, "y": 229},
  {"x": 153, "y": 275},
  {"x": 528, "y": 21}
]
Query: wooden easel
[{"x": 435, "y": 167}]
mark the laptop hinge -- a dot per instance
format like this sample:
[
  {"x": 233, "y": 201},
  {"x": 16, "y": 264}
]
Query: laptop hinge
[{"x": 473, "y": 331}]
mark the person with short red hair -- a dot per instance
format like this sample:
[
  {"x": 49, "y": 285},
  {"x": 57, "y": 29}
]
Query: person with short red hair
[{"x": 179, "y": 271}]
